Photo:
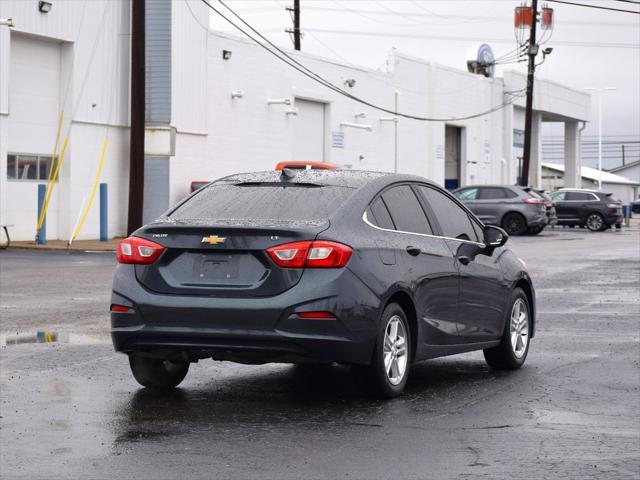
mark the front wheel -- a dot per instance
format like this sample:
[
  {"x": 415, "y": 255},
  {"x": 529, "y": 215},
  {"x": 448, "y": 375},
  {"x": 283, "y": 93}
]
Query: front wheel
[
  {"x": 156, "y": 372},
  {"x": 389, "y": 368},
  {"x": 595, "y": 222},
  {"x": 514, "y": 224},
  {"x": 513, "y": 348}
]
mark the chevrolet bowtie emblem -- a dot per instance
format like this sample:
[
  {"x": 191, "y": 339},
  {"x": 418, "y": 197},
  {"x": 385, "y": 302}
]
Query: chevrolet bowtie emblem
[{"x": 213, "y": 240}]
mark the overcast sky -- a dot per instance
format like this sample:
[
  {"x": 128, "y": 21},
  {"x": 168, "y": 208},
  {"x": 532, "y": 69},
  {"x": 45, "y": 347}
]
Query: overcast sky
[{"x": 591, "y": 48}]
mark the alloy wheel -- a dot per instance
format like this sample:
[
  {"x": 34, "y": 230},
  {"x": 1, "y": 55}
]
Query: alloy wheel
[
  {"x": 594, "y": 222},
  {"x": 519, "y": 328},
  {"x": 395, "y": 350}
]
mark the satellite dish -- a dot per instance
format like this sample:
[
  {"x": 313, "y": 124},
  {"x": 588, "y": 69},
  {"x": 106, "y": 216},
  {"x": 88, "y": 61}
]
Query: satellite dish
[{"x": 480, "y": 60}]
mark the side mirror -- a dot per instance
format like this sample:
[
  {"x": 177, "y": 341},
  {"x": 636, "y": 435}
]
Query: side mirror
[{"x": 495, "y": 237}]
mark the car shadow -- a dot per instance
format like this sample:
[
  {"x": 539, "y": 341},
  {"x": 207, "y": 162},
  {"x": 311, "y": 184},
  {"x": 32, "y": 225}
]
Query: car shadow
[{"x": 322, "y": 395}]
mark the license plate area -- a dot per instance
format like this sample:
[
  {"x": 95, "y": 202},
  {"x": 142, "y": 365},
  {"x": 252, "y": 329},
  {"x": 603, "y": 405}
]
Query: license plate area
[{"x": 218, "y": 267}]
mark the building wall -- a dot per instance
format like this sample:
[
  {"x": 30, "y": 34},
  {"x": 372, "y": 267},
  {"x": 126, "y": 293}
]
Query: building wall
[
  {"x": 246, "y": 134},
  {"x": 92, "y": 38},
  {"x": 218, "y": 135}
]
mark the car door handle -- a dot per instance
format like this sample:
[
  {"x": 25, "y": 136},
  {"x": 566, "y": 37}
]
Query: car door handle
[
  {"x": 413, "y": 251},
  {"x": 463, "y": 259}
]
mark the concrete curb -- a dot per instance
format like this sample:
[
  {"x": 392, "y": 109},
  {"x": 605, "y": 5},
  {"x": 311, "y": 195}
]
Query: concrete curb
[{"x": 48, "y": 336}]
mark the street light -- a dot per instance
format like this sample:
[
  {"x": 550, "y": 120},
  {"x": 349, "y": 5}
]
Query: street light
[{"x": 600, "y": 92}]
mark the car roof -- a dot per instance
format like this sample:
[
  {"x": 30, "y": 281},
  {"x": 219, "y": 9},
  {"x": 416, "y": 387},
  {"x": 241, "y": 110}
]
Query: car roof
[
  {"x": 491, "y": 186},
  {"x": 340, "y": 178},
  {"x": 588, "y": 190}
]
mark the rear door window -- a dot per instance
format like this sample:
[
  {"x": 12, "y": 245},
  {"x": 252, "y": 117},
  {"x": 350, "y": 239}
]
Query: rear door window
[
  {"x": 378, "y": 214},
  {"x": 558, "y": 196},
  {"x": 453, "y": 219},
  {"x": 406, "y": 211},
  {"x": 580, "y": 196},
  {"x": 492, "y": 193}
]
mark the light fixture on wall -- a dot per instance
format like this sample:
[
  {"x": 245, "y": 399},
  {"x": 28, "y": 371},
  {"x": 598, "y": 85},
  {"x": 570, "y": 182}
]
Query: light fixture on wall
[
  {"x": 226, "y": 54},
  {"x": 292, "y": 111},
  {"x": 44, "y": 7},
  {"x": 358, "y": 126},
  {"x": 279, "y": 101},
  {"x": 237, "y": 93},
  {"x": 7, "y": 22},
  {"x": 360, "y": 115},
  {"x": 350, "y": 82}
]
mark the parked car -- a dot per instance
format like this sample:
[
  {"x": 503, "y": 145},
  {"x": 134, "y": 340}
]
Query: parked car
[
  {"x": 587, "y": 208},
  {"x": 635, "y": 206},
  {"x": 516, "y": 209},
  {"x": 368, "y": 269},
  {"x": 550, "y": 205}
]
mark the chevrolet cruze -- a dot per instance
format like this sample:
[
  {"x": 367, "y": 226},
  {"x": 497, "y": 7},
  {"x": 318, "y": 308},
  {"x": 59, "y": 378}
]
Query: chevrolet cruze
[{"x": 369, "y": 269}]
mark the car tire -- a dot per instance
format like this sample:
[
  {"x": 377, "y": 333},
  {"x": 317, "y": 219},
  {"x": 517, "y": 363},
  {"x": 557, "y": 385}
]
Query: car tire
[
  {"x": 511, "y": 352},
  {"x": 514, "y": 224},
  {"x": 594, "y": 222},
  {"x": 158, "y": 373},
  {"x": 389, "y": 368}
]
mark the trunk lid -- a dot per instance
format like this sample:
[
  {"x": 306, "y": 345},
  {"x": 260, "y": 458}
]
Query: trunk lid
[{"x": 228, "y": 261}]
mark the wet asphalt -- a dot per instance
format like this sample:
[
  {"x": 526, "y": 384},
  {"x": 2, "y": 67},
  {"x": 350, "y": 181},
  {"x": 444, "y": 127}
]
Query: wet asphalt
[{"x": 573, "y": 411}]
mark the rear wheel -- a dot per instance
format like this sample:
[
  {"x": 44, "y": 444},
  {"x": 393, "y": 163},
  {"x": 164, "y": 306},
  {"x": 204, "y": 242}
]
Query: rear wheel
[
  {"x": 512, "y": 351},
  {"x": 595, "y": 222},
  {"x": 389, "y": 368},
  {"x": 156, "y": 372},
  {"x": 514, "y": 224}
]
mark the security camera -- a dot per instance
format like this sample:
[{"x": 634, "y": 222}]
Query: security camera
[{"x": 350, "y": 82}]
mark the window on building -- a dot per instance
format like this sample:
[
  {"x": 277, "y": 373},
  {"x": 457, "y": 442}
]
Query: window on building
[{"x": 22, "y": 166}]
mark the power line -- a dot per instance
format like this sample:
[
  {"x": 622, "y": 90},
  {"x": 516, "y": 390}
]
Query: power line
[
  {"x": 594, "y": 6},
  {"x": 295, "y": 64},
  {"x": 454, "y": 38},
  {"x": 455, "y": 19}
]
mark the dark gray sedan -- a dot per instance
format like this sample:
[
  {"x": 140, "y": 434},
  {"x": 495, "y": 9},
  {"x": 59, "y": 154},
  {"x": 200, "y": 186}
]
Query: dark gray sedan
[
  {"x": 517, "y": 210},
  {"x": 369, "y": 269}
]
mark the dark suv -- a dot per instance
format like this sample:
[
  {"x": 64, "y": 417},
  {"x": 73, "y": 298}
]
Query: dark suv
[
  {"x": 516, "y": 209},
  {"x": 587, "y": 208}
]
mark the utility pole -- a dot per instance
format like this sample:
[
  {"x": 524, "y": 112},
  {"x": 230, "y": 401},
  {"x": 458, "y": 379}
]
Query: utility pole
[
  {"x": 296, "y": 24},
  {"x": 136, "y": 143},
  {"x": 528, "y": 119}
]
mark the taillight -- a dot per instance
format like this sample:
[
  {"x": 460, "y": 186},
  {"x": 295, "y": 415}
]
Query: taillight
[
  {"x": 310, "y": 254},
  {"x": 533, "y": 201},
  {"x": 120, "y": 308},
  {"x": 138, "y": 251}
]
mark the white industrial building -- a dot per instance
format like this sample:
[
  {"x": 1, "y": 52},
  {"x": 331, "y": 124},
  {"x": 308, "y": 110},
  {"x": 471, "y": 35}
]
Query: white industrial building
[{"x": 242, "y": 110}]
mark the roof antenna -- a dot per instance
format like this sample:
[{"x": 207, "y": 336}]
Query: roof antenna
[{"x": 288, "y": 173}]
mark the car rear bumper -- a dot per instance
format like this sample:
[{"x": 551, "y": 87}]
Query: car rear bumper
[
  {"x": 253, "y": 330},
  {"x": 537, "y": 220}
]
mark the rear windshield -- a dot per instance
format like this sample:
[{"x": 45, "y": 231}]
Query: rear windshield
[{"x": 263, "y": 201}]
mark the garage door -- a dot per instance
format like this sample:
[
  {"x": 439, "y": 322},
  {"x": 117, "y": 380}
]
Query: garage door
[
  {"x": 34, "y": 101},
  {"x": 309, "y": 137}
]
